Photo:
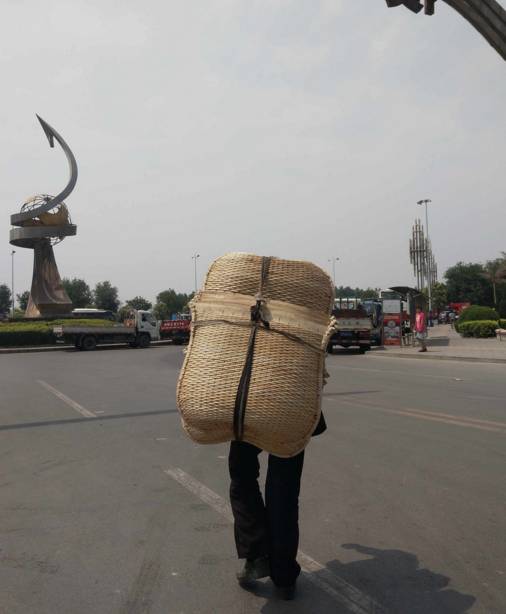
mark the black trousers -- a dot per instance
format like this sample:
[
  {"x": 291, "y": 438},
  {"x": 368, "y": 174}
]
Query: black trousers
[{"x": 272, "y": 528}]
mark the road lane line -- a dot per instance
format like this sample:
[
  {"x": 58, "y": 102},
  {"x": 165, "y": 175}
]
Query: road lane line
[
  {"x": 501, "y": 425},
  {"x": 70, "y": 402},
  {"x": 346, "y": 594},
  {"x": 482, "y": 425}
]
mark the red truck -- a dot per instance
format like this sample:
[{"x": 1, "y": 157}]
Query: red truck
[{"x": 178, "y": 330}]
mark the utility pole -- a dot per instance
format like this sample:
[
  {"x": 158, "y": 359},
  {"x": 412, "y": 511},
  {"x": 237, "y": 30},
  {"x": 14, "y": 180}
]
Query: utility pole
[
  {"x": 334, "y": 260},
  {"x": 12, "y": 280},
  {"x": 194, "y": 258}
]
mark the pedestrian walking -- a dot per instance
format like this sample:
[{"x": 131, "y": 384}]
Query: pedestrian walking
[
  {"x": 267, "y": 533},
  {"x": 452, "y": 319},
  {"x": 421, "y": 329}
]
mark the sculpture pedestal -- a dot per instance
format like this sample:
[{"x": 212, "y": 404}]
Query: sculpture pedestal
[{"x": 47, "y": 295}]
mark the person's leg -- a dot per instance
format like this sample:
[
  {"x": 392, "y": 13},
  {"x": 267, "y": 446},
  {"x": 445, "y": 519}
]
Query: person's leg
[
  {"x": 282, "y": 502},
  {"x": 250, "y": 525}
]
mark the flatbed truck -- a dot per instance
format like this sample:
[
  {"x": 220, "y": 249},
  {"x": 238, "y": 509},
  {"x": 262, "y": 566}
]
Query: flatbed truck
[{"x": 138, "y": 330}]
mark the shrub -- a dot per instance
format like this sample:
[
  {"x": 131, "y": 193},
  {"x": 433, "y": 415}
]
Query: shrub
[
  {"x": 17, "y": 334},
  {"x": 477, "y": 312},
  {"x": 502, "y": 323},
  {"x": 478, "y": 328}
]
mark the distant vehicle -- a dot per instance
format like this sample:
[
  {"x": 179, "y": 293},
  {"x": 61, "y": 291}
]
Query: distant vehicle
[
  {"x": 374, "y": 309},
  {"x": 88, "y": 312},
  {"x": 138, "y": 330},
  {"x": 177, "y": 329},
  {"x": 354, "y": 326}
]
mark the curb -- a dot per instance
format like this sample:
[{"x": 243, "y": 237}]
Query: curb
[
  {"x": 60, "y": 348},
  {"x": 498, "y": 361}
]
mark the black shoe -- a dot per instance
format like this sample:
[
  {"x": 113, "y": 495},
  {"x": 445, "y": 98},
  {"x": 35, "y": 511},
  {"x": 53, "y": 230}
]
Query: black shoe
[
  {"x": 254, "y": 570},
  {"x": 287, "y": 593}
]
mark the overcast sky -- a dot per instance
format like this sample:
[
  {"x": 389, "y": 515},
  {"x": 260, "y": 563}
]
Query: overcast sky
[{"x": 305, "y": 129}]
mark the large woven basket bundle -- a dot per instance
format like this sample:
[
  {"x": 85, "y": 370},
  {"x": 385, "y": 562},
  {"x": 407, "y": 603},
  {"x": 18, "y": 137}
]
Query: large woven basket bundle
[{"x": 254, "y": 366}]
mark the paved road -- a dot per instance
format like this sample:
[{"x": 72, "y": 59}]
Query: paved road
[{"x": 106, "y": 507}]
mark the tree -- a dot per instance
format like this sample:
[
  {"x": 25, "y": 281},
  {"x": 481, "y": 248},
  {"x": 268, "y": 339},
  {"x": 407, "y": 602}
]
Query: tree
[
  {"x": 348, "y": 292},
  {"x": 139, "y": 302},
  {"x": 439, "y": 296},
  {"x": 23, "y": 299},
  {"x": 169, "y": 302},
  {"x": 5, "y": 298},
  {"x": 369, "y": 293},
  {"x": 495, "y": 272},
  {"x": 465, "y": 282},
  {"x": 78, "y": 291},
  {"x": 106, "y": 296}
]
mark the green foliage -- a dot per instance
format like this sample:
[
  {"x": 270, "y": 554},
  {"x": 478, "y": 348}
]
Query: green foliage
[
  {"x": 502, "y": 323},
  {"x": 79, "y": 292},
  {"x": 106, "y": 296},
  {"x": 478, "y": 328},
  {"x": 23, "y": 299},
  {"x": 169, "y": 302},
  {"x": 18, "y": 334},
  {"x": 139, "y": 302},
  {"x": 349, "y": 292},
  {"x": 439, "y": 296},
  {"x": 501, "y": 307},
  {"x": 5, "y": 298},
  {"x": 478, "y": 312},
  {"x": 467, "y": 283},
  {"x": 495, "y": 273}
]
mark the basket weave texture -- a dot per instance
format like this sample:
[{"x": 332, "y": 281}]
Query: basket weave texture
[{"x": 284, "y": 392}]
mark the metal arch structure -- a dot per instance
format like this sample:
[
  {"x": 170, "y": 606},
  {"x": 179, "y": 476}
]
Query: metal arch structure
[
  {"x": 43, "y": 220},
  {"x": 488, "y": 17}
]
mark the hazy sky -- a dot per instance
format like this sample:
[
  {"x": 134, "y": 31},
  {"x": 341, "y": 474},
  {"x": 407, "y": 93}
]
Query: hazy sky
[{"x": 305, "y": 129}]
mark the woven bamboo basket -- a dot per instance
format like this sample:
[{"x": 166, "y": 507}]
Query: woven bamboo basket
[{"x": 254, "y": 366}]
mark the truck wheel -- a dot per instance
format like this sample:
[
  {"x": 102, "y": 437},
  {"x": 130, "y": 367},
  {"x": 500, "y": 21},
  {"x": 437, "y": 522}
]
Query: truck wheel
[
  {"x": 89, "y": 343},
  {"x": 144, "y": 341}
]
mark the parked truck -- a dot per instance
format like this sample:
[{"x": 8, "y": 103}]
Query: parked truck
[
  {"x": 178, "y": 329},
  {"x": 353, "y": 326},
  {"x": 138, "y": 330}
]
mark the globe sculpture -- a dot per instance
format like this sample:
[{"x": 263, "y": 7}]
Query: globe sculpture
[{"x": 42, "y": 222}]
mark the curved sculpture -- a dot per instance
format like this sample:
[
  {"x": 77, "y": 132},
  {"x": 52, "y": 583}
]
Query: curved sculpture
[
  {"x": 44, "y": 221},
  {"x": 488, "y": 17}
]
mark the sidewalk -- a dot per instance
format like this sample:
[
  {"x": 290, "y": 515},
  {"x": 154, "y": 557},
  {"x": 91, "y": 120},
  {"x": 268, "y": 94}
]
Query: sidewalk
[{"x": 446, "y": 344}]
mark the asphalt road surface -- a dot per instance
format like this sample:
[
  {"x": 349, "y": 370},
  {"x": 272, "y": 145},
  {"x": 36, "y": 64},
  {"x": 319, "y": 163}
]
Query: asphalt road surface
[{"x": 106, "y": 507}]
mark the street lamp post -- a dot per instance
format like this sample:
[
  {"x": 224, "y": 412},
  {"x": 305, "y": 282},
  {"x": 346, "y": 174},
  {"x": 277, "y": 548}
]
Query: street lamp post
[
  {"x": 194, "y": 258},
  {"x": 12, "y": 280},
  {"x": 428, "y": 270},
  {"x": 334, "y": 260}
]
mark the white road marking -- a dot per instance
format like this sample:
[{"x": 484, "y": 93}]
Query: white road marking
[
  {"x": 347, "y": 595},
  {"x": 70, "y": 402},
  {"x": 464, "y": 421}
]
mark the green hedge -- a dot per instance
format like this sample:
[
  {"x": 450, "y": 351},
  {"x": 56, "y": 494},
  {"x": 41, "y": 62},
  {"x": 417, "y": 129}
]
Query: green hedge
[
  {"x": 502, "y": 323},
  {"x": 477, "y": 312},
  {"x": 17, "y": 334},
  {"x": 479, "y": 328}
]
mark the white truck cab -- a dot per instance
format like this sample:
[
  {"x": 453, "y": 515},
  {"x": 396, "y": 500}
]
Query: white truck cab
[{"x": 144, "y": 322}]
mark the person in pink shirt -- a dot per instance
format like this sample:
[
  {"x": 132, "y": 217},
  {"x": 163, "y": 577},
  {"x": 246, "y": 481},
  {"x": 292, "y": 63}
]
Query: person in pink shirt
[{"x": 421, "y": 329}]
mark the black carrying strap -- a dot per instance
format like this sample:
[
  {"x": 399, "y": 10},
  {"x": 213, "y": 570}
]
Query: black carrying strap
[{"x": 257, "y": 320}]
